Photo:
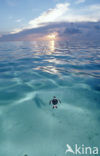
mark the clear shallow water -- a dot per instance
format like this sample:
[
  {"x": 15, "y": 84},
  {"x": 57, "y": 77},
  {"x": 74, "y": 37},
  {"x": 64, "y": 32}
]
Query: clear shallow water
[{"x": 31, "y": 73}]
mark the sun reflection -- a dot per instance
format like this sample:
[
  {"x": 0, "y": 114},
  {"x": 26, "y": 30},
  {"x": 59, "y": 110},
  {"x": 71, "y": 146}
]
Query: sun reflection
[
  {"x": 52, "y": 37},
  {"x": 52, "y": 45}
]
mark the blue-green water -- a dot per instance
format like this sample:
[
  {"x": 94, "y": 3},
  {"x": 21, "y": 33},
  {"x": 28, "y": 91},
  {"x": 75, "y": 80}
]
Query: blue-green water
[{"x": 31, "y": 73}]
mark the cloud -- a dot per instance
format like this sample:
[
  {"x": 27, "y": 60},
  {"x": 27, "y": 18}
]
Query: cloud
[
  {"x": 11, "y": 3},
  {"x": 50, "y": 16},
  {"x": 89, "y": 13},
  {"x": 97, "y": 27},
  {"x": 63, "y": 12},
  {"x": 72, "y": 31},
  {"x": 80, "y": 1},
  {"x": 0, "y": 35},
  {"x": 64, "y": 30},
  {"x": 19, "y": 20},
  {"x": 17, "y": 30},
  {"x": 54, "y": 19}
]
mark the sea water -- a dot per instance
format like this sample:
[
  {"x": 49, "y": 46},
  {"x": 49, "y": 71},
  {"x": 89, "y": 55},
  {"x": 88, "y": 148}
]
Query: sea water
[{"x": 31, "y": 73}]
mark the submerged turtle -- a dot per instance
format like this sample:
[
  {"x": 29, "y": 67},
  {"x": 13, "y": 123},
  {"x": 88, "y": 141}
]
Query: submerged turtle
[{"x": 54, "y": 102}]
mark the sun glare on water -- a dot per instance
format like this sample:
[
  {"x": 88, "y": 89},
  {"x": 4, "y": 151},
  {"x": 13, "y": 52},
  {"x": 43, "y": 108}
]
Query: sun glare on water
[{"x": 51, "y": 38}]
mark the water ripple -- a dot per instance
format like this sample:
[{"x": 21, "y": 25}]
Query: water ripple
[{"x": 40, "y": 65}]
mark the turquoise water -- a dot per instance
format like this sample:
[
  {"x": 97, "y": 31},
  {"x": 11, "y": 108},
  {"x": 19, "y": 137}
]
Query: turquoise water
[{"x": 31, "y": 73}]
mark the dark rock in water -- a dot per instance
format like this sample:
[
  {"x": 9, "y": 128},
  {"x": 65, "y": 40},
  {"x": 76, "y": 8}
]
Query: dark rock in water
[{"x": 25, "y": 155}]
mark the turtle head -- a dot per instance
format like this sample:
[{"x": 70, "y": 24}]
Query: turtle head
[{"x": 54, "y": 97}]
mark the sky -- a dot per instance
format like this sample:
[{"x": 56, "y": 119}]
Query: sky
[{"x": 19, "y": 15}]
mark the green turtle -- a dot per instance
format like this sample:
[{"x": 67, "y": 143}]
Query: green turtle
[{"x": 54, "y": 102}]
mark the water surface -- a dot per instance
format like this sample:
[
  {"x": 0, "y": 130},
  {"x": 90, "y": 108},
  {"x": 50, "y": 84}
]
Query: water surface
[{"x": 31, "y": 73}]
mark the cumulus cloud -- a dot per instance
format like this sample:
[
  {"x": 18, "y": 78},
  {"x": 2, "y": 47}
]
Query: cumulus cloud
[
  {"x": 63, "y": 12},
  {"x": 90, "y": 13},
  {"x": 51, "y": 15},
  {"x": 64, "y": 30}
]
